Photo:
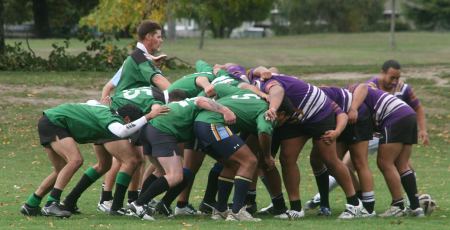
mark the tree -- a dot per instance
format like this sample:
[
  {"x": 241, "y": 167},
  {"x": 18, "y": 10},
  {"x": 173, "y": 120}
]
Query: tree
[
  {"x": 330, "y": 15},
  {"x": 429, "y": 14},
  {"x": 2, "y": 32},
  {"x": 114, "y": 16},
  {"x": 41, "y": 22}
]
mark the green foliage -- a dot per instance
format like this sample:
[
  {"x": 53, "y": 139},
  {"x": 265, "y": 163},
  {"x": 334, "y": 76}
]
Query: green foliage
[
  {"x": 429, "y": 14},
  {"x": 222, "y": 16},
  {"x": 307, "y": 16}
]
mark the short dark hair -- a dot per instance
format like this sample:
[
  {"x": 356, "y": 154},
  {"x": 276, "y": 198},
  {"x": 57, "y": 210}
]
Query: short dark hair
[
  {"x": 147, "y": 27},
  {"x": 390, "y": 64},
  {"x": 287, "y": 107},
  {"x": 132, "y": 111},
  {"x": 177, "y": 95}
]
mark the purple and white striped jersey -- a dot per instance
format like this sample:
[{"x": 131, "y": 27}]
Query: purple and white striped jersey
[
  {"x": 342, "y": 97},
  {"x": 312, "y": 104},
  {"x": 402, "y": 91},
  {"x": 386, "y": 108}
]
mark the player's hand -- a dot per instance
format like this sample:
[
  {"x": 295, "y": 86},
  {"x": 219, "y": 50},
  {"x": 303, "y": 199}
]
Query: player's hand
[
  {"x": 423, "y": 135},
  {"x": 229, "y": 117},
  {"x": 265, "y": 75},
  {"x": 352, "y": 116},
  {"x": 271, "y": 114},
  {"x": 269, "y": 163},
  {"x": 329, "y": 136},
  {"x": 158, "y": 110},
  {"x": 106, "y": 100},
  {"x": 209, "y": 91}
]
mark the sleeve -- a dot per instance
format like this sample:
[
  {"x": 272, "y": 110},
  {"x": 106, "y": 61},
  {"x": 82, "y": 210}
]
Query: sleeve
[
  {"x": 148, "y": 70},
  {"x": 269, "y": 84},
  {"x": 411, "y": 98},
  {"x": 223, "y": 90},
  {"x": 126, "y": 130},
  {"x": 202, "y": 66},
  {"x": 336, "y": 109},
  {"x": 263, "y": 125},
  {"x": 116, "y": 78}
]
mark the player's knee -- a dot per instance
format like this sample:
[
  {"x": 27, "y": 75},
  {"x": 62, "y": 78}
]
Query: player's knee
[
  {"x": 174, "y": 178},
  {"x": 76, "y": 163}
]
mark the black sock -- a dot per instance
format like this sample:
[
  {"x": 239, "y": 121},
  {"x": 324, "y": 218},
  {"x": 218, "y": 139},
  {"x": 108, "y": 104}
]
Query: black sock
[
  {"x": 182, "y": 204},
  {"x": 148, "y": 181},
  {"x": 359, "y": 194},
  {"x": 353, "y": 200},
  {"x": 266, "y": 185},
  {"x": 106, "y": 196},
  {"x": 278, "y": 203},
  {"x": 251, "y": 196},
  {"x": 211, "y": 186},
  {"x": 122, "y": 182},
  {"x": 322, "y": 185},
  {"x": 55, "y": 195},
  {"x": 224, "y": 185},
  {"x": 159, "y": 186},
  {"x": 368, "y": 199},
  {"x": 84, "y": 183},
  {"x": 399, "y": 203},
  {"x": 296, "y": 205},
  {"x": 173, "y": 192},
  {"x": 409, "y": 184},
  {"x": 240, "y": 192},
  {"x": 132, "y": 196}
]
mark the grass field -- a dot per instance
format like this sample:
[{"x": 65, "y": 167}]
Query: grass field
[{"x": 344, "y": 57}]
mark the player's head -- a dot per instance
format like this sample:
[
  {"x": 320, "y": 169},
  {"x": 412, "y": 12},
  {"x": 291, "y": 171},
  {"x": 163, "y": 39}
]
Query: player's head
[
  {"x": 149, "y": 33},
  {"x": 236, "y": 71},
  {"x": 285, "y": 111},
  {"x": 390, "y": 74},
  {"x": 177, "y": 95},
  {"x": 130, "y": 112}
]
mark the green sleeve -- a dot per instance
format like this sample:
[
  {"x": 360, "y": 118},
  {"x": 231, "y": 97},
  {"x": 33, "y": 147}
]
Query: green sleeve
[
  {"x": 263, "y": 125},
  {"x": 223, "y": 90},
  {"x": 148, "y": 70},
  {"x": 202, "y": 66}
]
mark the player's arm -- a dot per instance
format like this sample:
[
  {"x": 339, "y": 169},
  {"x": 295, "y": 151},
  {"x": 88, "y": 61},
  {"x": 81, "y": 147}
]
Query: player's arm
[
  {"x": 262, "y": 72},
  {"x": 208, "y": 104},
  {"x": 341, "y": 122},
  {"x": 254, "y": 89},
  {"x": 125, "y": 130},
  {"x": 160, "y": 81},
  {"x": 359, "y": 95},
  {"x": 421, "y": 123},
  {"x": 203, "y": 82},
  {"x": 265, "y": 141},
  {"x": 109, "y": 87},
  {"x": 276, "y": 95}
]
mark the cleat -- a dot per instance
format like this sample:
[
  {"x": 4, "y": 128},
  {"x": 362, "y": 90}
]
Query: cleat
[
  {"x": 105, "y": 206},
  {"x": 351, "y": 211},
  {"x": 252, "y": 208},
  {"x": 216, "y": 215},
  {"x": 291, "y": 215},
  {"x": 366, "y": 214},
  {"x": 324, "y": 211},
  {"x": 55, "y": 209},
  {"x": 162, "y": 209},
  {"x": 153, "y": 203},
  {"x": 187, "y": 210},
  {"x": 206, "y": 208},
  {"x": 313, "y": 203},
  {"x": 71, "y": 208},
  {"x": 418, "y": 212},
  {"x": 393, "y": 211},
  {"x": 136, "y": 210},
  {"x": 120, "y": 212},
  {"x": 242, "y": 215},
  {"x": 27, "y": 210},
  {"x": 270, "y": 210}
]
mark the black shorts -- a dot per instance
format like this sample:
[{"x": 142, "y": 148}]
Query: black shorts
[
  {"x": 49, "y": 131},
  {"x": 361, "y": 131},
  {"x": 217, "y": 140},
  {"x": 192, "y": 144},
  {"x": 403, "y": 131},
  {"x": 134, "y": 139},
  {"x": 157, "y": 143}
]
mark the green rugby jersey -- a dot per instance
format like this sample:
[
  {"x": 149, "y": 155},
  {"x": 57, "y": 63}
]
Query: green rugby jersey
[
  {"x": 85, "y": 122},
  {"x": 188, "y": 85},
  {"x": 137, "y": 71},
  {"x": 141, "y": 97},
  {"x": 179, "y": 121},
  {"x": 202, "y": 66},
  {"x": 248, "y": 107}
]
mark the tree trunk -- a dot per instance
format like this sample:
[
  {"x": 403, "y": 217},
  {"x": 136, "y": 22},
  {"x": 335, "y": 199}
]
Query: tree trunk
[
  {"x": 2, "y": 31},
  {"x": 171, "y": 21},
  {"x": 392, "y": 33},
  {"x": 41, "y": 22},
  {"x": 202, "y": 34}
]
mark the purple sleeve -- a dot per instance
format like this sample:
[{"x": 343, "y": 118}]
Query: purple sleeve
[
  {"x": 336, "y": 109},
  {"x": 410, "y": 98}
]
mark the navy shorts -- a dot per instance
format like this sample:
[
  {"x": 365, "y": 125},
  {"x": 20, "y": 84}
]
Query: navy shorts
[
  {"x": 361, "y": 131},
  {"x": 403, "y": 131},
  {"x": 217, "y": 140},
  {"x": 157, "y": 143},
  {"x": 49, "y": 131}
]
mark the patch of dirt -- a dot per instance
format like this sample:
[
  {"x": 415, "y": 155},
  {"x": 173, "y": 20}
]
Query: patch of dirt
[{"x": 64, "y": 94}]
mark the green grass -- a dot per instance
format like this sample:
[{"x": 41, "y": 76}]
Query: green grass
[
  {"x": 338, "y": 50},
  {"x": 24, "y": 164}
]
